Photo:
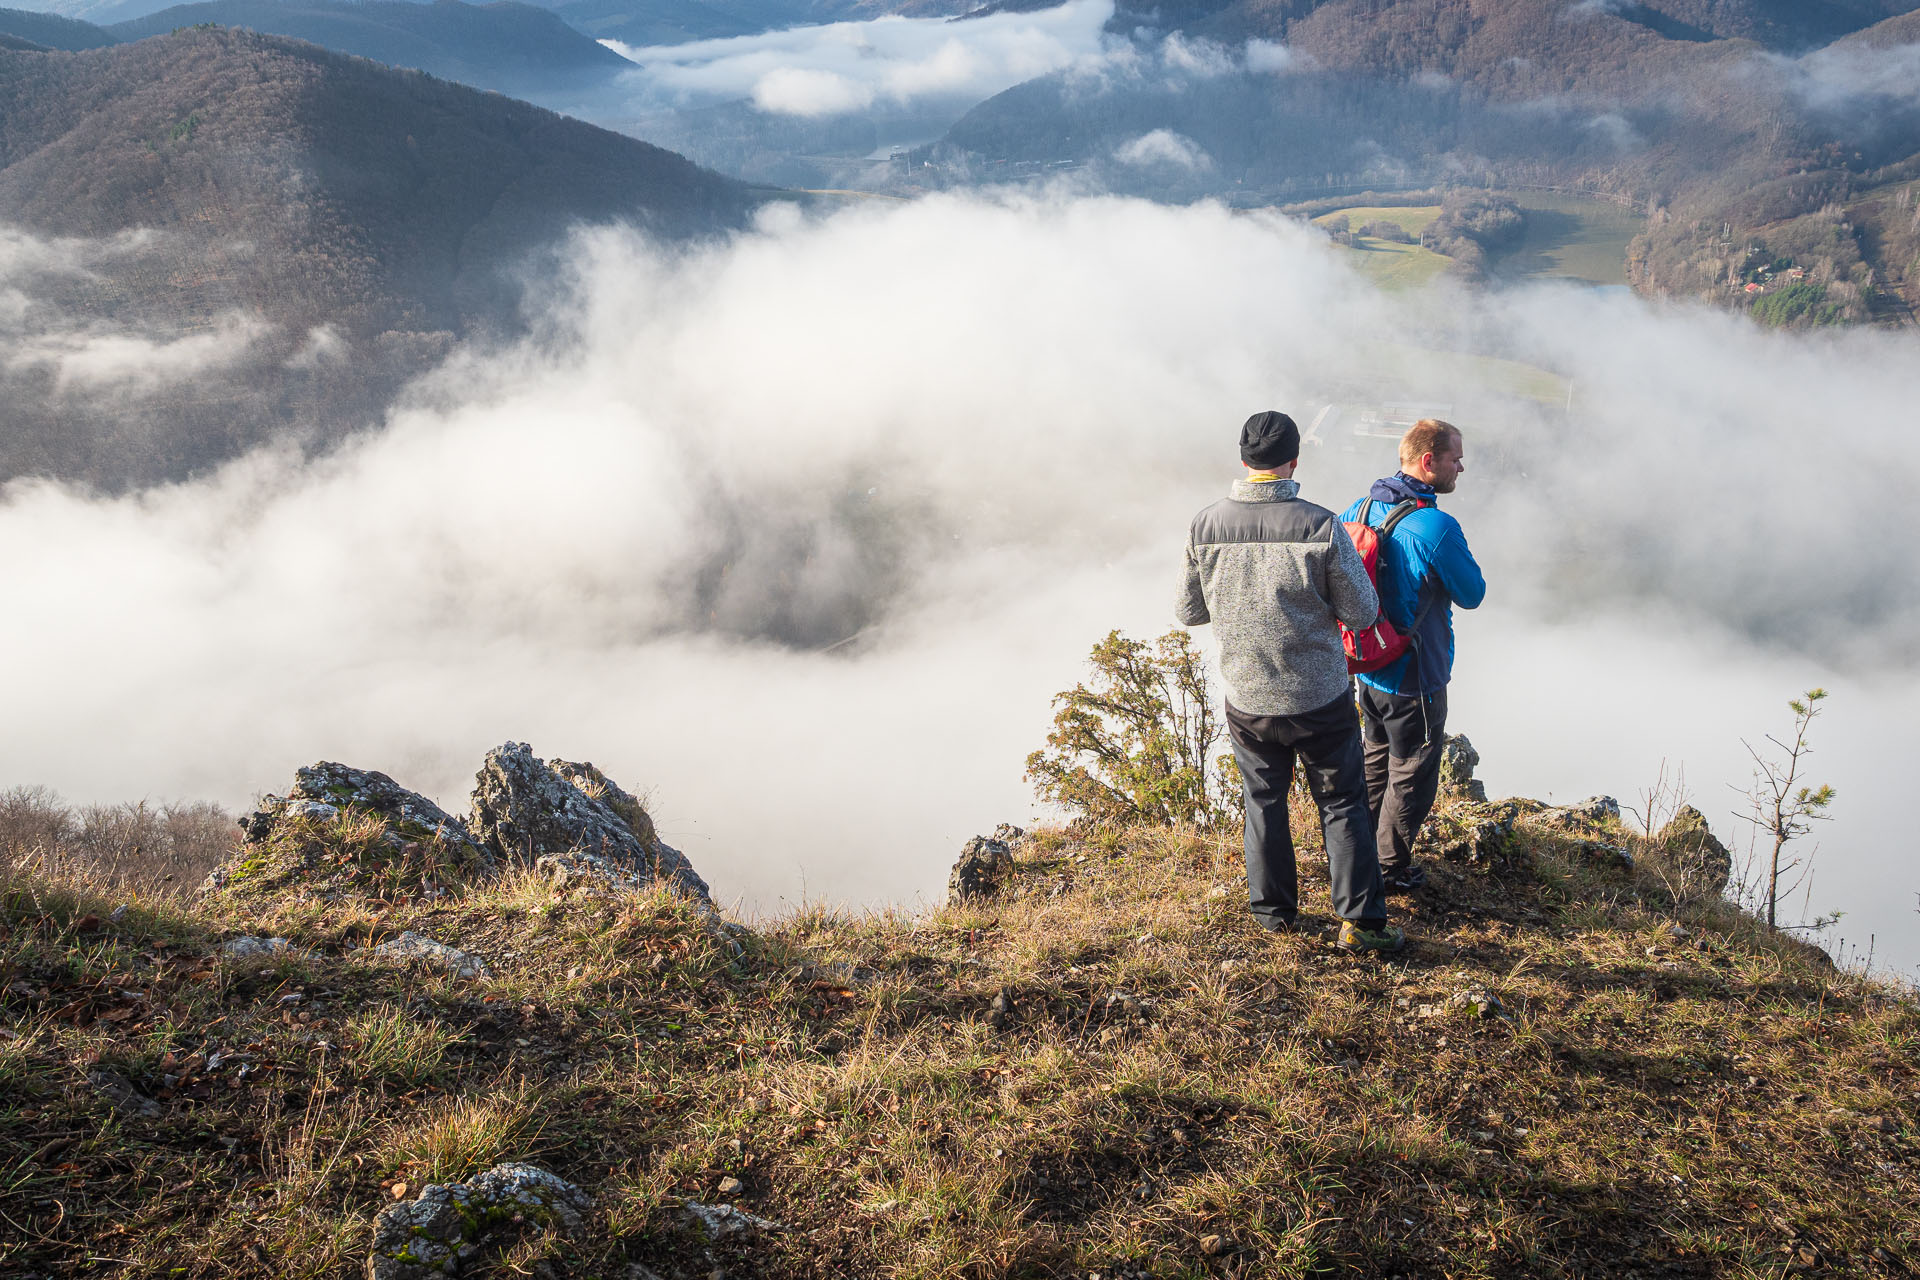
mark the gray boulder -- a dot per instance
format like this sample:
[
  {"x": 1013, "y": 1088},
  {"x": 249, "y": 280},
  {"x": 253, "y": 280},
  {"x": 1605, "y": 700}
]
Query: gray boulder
[
  {"x": 1457, "y": 761},
  {"x": 1589, "y": 815},
  {"x": 321, "y": 791},
  {"x": 1695, "y": 851},
  {"x": 428, "y": 1238},
  {"x": 982, "y": 867},
  {"x": 528, "y": 811},
  {"x": 1475, "y": 833}
]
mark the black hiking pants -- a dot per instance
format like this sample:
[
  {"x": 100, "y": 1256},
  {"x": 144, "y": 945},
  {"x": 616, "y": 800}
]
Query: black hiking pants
[
  {"x": 1404, "y": 735},
  {"x": 1327, "y": 743}
]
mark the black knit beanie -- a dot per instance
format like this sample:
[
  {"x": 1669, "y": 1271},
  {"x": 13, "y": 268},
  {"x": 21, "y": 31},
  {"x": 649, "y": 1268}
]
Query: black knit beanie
[{"x": 1269, "y": 440}]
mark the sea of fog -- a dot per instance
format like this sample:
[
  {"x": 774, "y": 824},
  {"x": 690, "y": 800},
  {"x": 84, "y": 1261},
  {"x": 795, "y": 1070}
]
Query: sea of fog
[{"x": 965, "y": 435}]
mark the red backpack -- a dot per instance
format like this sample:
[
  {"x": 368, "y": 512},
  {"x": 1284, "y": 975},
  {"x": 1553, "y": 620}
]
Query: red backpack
[{"x": 1380, "y": 644}]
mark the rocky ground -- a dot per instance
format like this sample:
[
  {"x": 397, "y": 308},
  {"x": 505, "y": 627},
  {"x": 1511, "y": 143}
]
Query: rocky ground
[{"x": 384, "y": 1040}]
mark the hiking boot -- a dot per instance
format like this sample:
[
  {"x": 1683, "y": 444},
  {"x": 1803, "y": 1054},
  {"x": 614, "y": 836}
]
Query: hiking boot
[
  {"x": 1410, "y": 879},
  {"x": 1387, "y": 938}
]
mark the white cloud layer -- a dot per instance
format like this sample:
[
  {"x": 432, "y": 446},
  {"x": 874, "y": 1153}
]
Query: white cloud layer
[
  {"x": 577, "y": 542},
  {"x": 1164, "y": 147},
  {"x": 851, "y": 66}
]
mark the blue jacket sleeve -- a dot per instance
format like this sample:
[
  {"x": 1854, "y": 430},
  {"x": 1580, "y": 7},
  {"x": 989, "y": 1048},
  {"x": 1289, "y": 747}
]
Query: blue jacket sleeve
[{"x": 1458, "y": 571}]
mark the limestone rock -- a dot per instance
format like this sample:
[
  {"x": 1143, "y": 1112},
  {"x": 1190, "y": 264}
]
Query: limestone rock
[
  {"x": 430, "y": 1237},
  {"x": 1457, "y": 761},
  {"x": 1696, "y": 851},
  {"x": 1474, "y": 833},
  {"x": 252, "y": 948},
  {"x": 604, "y": 789},
  {"x": 1588, "y": 815},
  {"x": 1479, "y": 1002},
  {"x": 982, "y": 866},
  {"x": 321, "y": 791},
  {"x": 417, "y": 948},
  {"x": 527, "y": 811},
  {"x": 724, "y": 1220}
]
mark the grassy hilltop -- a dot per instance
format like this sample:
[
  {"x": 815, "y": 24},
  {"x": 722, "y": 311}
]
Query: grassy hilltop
[{"x": 1103, "y": 1069}]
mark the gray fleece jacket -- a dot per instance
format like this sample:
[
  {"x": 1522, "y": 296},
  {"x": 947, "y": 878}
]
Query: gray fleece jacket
[{"x": 1272, "y": 573}]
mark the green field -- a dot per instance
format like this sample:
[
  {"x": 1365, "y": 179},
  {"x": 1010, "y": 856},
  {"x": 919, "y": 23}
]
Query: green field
[
  {"x": 1387, "y": 263},
  {"x": 1566, "y": 238}
]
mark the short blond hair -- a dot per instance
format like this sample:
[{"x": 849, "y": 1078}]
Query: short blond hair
[{"x": 1429, "y": 435}]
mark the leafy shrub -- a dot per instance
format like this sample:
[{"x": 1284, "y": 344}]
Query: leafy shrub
[{"x": 1133, "y": 747}]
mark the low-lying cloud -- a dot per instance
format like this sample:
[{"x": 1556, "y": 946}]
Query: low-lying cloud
[
  {"x": 800, "y": 532},
  {"x": 851, "y": 66},
  {"x": 1164, "y": 147}
]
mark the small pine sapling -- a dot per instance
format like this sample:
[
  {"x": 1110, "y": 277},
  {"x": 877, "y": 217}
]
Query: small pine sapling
[{"x": 1782, "y": 807}]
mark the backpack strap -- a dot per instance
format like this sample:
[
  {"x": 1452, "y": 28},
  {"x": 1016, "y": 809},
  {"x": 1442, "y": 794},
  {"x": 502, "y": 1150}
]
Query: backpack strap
[
  {"x": 1366, "y": 509},
  {"x": 1400, "y": 512}
]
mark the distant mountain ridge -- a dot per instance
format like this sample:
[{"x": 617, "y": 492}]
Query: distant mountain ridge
[
  {"x": 341, "y": 221},
  {"x": 506, "y": 46},
  {"x": 51, "y": 31}
]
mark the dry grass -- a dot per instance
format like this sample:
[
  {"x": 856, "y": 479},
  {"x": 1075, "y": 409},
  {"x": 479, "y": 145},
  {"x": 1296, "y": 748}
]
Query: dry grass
[
  {"x": 126, "y": 849},
  {"x": 1165, "y": 1091}
]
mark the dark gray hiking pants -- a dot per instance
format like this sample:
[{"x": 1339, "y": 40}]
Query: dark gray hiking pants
[
  {"x": 1327, "y": 742},
  {"x": 1403, "y": 768}
]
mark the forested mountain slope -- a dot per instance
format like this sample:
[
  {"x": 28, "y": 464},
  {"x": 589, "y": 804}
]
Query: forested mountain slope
[{"x": 284, "y": 234}]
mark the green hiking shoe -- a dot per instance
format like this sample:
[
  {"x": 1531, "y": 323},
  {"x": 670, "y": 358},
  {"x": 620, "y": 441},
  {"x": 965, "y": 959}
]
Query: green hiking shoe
[{"x": 1387, "y": 938}]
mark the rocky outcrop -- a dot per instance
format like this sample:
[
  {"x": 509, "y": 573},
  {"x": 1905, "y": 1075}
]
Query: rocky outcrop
[
  {"x": 428, "y": 1238},
  {"x": 1457, "y": 762},
  {"x": 1695, "y": 851},
  {"x": 567, "y": 818},
  {"x": 983, "y": 866},
  {"x": 323, "y": 791},
  {"x": 530, "y": 812},
  {"x": 608, "y": 792}
]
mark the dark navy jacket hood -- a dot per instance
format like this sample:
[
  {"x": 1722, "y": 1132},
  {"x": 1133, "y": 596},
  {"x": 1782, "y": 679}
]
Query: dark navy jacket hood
[{"x": 1400, "y": 487}]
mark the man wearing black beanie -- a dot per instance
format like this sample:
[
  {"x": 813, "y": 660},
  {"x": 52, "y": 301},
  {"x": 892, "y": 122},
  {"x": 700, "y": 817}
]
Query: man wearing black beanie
[{"x": 1275, "y": 575}]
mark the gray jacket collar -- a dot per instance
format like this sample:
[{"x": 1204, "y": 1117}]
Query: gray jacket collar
[{"x": 1264, "y": 491}]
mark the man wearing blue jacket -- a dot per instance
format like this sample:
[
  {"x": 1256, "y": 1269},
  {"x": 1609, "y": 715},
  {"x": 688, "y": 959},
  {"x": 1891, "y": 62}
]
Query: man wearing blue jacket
[{"x": 1425, "y": 568}]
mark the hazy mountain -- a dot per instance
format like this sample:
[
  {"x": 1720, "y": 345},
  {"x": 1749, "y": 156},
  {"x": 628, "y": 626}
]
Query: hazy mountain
[
  {"x": 1741, "y": 154},
  {"x": 506, "y": 46},
  {"x": 218, "y": 233},
  {"x": 1423, "y": 27},
  {"x": 52, "y": 31},
  {"x": 1891, "y": 34}
]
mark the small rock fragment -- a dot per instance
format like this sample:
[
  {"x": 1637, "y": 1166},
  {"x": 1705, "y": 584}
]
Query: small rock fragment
[
  {"x": 427, "y": 1238},
  {"x": 415, "y": 948},
  {"x": 731, "y": 1186},
  {"x": 723, "y": 1220},
  {"x": 119, "y": 1091},
  {"x": 1213, "y": 1245},
  {"x": 249, "y": 947},
  {"x": 1479, "y": 1002}
]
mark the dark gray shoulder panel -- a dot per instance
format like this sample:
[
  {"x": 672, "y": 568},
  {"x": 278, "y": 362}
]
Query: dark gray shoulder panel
[{"x": 1230, "y": 521}]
